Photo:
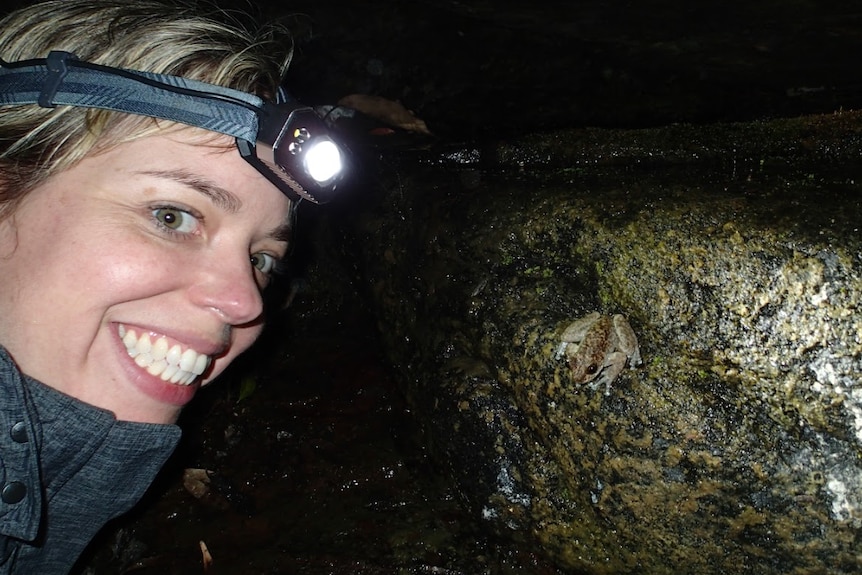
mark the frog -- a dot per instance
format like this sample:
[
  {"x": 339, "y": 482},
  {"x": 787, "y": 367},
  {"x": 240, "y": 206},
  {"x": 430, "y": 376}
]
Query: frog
[{"x": 598, "y": 347}]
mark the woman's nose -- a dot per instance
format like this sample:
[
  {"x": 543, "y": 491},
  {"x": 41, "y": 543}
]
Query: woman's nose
[{"x": 230, "y": 289}]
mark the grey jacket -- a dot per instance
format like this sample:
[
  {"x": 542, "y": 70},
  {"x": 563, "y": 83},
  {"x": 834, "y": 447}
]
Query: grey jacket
[{"x": 66, "y": 468}]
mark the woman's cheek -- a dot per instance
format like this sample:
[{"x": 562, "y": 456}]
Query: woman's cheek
[{"x": 243, "y": 338}]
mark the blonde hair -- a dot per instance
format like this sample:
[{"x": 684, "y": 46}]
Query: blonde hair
[{"x": 184, "y": 38}]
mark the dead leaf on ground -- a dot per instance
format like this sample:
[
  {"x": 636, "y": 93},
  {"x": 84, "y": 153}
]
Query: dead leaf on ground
[
  {"x": 196, "y": 482},
  {"x": 389, "y": 112}
]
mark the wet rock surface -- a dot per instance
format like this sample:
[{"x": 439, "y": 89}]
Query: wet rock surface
[{"x": 735, "y": 447}]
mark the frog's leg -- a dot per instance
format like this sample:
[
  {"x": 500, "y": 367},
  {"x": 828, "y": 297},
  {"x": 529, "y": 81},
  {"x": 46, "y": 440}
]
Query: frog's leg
[
  {"x": 627, "y": 340},
  {"x": 614, "y": 364}
]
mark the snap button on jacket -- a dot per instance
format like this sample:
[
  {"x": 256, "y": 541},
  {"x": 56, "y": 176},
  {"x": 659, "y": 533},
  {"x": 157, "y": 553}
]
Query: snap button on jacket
[{"x": 66, "y": 469}]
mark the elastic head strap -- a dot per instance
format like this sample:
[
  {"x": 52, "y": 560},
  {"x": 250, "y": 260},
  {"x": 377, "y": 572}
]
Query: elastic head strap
[{"x": 62, "y": 79}]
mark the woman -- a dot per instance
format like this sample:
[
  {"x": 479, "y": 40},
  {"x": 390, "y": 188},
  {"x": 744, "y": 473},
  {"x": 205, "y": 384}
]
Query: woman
[{"x": 133, "y": 253}]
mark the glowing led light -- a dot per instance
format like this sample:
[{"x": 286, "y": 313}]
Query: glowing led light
[{"x": 323, "y": 161}]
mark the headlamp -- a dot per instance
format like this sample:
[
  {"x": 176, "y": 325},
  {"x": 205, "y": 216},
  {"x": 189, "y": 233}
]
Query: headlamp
[
  {"x": 294, "y": 149},
  {"x": 286, "y": 142}
]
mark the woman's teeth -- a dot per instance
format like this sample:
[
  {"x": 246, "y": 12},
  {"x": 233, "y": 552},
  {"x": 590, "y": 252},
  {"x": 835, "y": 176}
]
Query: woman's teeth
[{"x": 169, "y": 363}]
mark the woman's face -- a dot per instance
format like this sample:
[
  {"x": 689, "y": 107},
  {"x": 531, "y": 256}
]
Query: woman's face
[{"x": 124, "y": 276}]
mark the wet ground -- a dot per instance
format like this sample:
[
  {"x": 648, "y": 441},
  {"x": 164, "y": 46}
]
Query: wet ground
[
  {"x": 313, "y": 463},
  {"x": 313, "y": 467}
]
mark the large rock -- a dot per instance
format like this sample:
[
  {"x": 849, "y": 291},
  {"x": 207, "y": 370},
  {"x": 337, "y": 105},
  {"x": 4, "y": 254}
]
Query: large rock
[{"x": 736, "y": 255}]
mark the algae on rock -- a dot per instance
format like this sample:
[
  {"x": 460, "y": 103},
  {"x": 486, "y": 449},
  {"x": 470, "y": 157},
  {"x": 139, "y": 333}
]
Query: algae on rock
[{"x": 735, "y": 448}]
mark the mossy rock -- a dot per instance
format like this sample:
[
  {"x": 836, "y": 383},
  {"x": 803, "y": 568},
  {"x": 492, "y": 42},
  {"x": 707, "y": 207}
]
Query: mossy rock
[{"x": 735, "y": 447}]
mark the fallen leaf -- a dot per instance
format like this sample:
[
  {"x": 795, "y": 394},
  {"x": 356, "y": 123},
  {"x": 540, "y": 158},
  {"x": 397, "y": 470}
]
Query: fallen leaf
[
  {"x": 389, "y": 112},
  {"x": 206, "y": 557},
  {"x": 196, "y": 482}
]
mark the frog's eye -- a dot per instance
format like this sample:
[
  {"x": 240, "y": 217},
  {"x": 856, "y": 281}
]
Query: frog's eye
[{"x": 592, "y": 368}]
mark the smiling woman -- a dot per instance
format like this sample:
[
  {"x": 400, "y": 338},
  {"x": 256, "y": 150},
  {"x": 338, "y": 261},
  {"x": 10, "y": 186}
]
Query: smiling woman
[{"x": 134, "y": 250}]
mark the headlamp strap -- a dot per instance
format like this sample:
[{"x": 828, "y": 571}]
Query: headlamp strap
[
  {"x": 257, "y": 126},
  {"x": 62, "y": 79},
  {"x": 57, "y": 70}
]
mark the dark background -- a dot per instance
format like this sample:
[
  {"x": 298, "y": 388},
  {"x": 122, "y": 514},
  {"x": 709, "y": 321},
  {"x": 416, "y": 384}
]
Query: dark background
[{"x": 476, "y": 69}]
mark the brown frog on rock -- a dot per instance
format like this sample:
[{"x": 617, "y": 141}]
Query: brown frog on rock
[{"x": 598, "y": 347}]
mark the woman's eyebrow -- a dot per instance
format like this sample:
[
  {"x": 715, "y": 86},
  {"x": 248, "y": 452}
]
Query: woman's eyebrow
[
  {"x": 282, "y": 233},
  {"x": 219, "y": 196}
]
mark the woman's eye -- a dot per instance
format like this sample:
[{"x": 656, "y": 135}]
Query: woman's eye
[
  {"x": 263, "y": 262},
  {"x": 175, "y": 219}
]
